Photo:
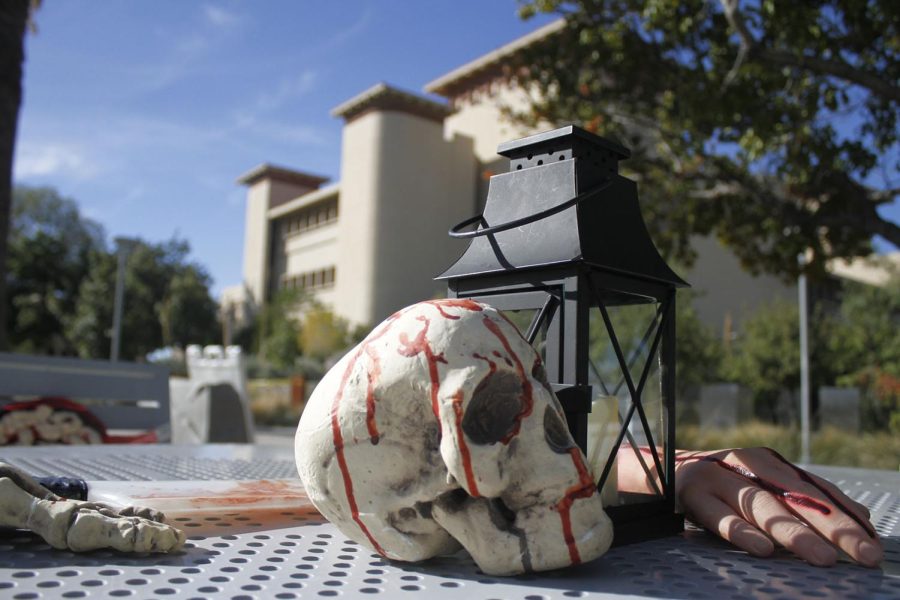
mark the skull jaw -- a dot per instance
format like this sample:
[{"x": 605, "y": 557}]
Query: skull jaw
[{"x": 532, "y": 540}]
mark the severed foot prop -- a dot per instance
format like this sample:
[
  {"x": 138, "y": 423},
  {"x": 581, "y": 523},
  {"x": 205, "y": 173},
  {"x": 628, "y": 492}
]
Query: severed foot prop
[{"x": 81, "y": 526}]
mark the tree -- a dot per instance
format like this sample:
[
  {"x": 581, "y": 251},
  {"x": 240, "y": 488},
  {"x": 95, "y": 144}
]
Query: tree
[
  {"x": 89, "y": 328},
  {"x": 166, "y": 302},
  {"x": 766, "y": 356},
  {"x": 277, "y": 331},
  {"x": 13, "y": 20},
  {"x": 49, "y": 248},
  {"x": 698, "y": 352},
  {"x": 870, "y": 321},
  {"x": 765, "y": 123},
  {"x": 187, "y": 313},
  {"x": 868, "y": 349},
  {"x": 323, "y": 333}
]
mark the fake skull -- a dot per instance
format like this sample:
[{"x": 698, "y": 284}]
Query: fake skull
[{"x": 440, "y": 429}]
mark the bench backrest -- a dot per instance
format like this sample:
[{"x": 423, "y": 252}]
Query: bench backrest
[{"x": 121, "y": 394}]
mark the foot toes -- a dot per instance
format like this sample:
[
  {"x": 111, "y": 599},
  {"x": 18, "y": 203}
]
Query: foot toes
[
  {"x": 92, "y": 530},
  {"x": 143, "y": 512}
]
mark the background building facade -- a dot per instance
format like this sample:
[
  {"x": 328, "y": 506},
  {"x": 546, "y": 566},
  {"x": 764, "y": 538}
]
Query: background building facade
[{"x": 411, "y": 167}]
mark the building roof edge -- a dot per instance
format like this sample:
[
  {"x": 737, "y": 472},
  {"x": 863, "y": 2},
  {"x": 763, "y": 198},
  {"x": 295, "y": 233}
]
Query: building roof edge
[
  {"x": 266, "y": 170},
  {"x": 445, "y": 85},
  {"x": 306, "y": 199},
  {"x": 382, "y": 96}
]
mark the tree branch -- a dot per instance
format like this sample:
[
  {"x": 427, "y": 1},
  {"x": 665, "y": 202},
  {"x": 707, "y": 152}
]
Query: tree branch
[
  {"x": 736, "y": 20},
  {"x": 883, "y": 196},
  {"x": 836, "y": 68}
]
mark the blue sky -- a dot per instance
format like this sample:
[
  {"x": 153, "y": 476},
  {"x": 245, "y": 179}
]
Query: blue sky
[{"x": 146, "y": 112}]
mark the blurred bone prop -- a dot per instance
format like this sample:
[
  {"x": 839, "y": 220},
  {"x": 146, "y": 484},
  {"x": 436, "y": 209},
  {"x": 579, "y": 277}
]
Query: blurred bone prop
[
  {"x": 213, "y": 404},
  {"x": 440, "y": 430},
  {"x": 49, "y": 421},
  {"x": 81, "y": 526}
]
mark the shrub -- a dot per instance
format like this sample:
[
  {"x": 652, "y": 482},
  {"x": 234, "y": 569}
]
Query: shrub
[{"x": 878, "y": 450}]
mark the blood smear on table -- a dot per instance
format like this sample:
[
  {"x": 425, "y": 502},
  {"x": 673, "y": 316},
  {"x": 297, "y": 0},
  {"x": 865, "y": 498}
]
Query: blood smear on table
[{"x": 197, "y": 499}]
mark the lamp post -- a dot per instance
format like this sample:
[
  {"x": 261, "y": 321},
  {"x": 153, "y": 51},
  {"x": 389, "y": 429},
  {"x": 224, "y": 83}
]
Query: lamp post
[
  {"x": 563, "y": 250},
  {"x": 803, "y": 306},
  {"x": 124, "y": 246}
]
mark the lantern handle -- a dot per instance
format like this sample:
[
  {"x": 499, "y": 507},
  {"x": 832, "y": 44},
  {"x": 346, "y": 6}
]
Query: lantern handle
[{"x": 456, "y": 233}]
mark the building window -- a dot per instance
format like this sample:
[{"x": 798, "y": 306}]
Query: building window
[
  {"x": 312, "y": 217},
  {"x": 311, "y": 280}
]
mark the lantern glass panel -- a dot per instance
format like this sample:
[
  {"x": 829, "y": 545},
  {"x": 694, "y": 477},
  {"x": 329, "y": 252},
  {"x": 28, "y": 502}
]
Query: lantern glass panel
[{"x": 616, "y": 421}]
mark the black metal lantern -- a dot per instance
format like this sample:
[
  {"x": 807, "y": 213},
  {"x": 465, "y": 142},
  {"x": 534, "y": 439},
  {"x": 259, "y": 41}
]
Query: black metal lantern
[{"x": 563, "y": 250}]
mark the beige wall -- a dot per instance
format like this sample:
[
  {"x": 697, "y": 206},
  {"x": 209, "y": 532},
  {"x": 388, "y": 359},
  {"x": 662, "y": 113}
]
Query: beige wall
[
  {"x": 256, "y": 240},
  {"x": 360, "y": 156},
  {"x": 425, "y": 189},
  {"x": 261, "y": 195},
  {"x": 481, "y": 118},
  {"x": 312, "y": 250},
  {"x": 725, "y": 291},
  {"x": 402, "y": 187}
]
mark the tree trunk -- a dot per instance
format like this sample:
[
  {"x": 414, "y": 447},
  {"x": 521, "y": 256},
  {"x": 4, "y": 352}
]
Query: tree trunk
[{"x": 13, "y": 20}]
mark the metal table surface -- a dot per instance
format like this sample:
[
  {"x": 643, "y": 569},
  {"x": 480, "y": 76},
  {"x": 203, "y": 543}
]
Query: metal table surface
[{"x": 237, "y": 558}]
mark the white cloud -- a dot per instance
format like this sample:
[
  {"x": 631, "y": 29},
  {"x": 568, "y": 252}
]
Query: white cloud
[
  {"x": 287, "y": 89},
  {"x": 298, "y": 134},
  {"x": 219, "y": 17},
  {"x": 354, "y": 29},
  {"x": 248, "y": 124},
  {"x": 187, "y": 52},
  {"x": 258, "y": 121},
  {"x": 53, "y": 159}
]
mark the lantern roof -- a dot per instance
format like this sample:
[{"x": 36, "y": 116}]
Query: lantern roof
[
  {"x": 562, "y": 202},
  {"x": 563, "y": 135}
]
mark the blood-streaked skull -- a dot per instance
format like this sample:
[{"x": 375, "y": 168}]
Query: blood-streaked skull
[{"x": 440, "y": 429}]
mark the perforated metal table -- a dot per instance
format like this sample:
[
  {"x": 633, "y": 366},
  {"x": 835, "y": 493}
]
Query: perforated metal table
[{"x": 238, "y": 558}]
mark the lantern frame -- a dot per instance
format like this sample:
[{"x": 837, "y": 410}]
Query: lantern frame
[{"x": 564, "y": 290}]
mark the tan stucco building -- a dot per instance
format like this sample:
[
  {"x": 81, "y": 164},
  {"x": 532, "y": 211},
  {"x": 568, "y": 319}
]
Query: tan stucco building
[{"x": 410, "y": 168}]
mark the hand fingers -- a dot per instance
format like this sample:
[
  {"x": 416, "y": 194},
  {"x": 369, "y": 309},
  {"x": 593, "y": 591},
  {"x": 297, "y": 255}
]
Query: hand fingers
[
  {"x": 718, "y": 517},
  {"x": 820, "y": 504},
  {"x": 765, "y": 511},
  {"x": 861, "y": 510},
  {"x": 831, "y": 513},
  {"x": 836, "y": 520}
]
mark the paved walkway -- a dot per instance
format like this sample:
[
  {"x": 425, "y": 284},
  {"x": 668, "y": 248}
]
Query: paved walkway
[{"x": 275, "y": 436}]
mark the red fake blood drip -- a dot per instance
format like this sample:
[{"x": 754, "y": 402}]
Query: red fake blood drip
[
  {"x": 339, "y": 437},
  {"x": 463, "y": 447},
  {"x": 420, "y": 345},
  {"x": 585, "y": 488},
  {"x": 867, "y": 527},
  {"x": 527, "y": 398},
  {"x": 462, "y": 303},
  {"x": 373, "y": 372},
  {"x": 787, "y": 496}
]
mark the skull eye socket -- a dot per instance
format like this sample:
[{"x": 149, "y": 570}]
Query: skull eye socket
[
  {"x": 556, "y": 432},
  {"x": 494, "y": 410}
]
